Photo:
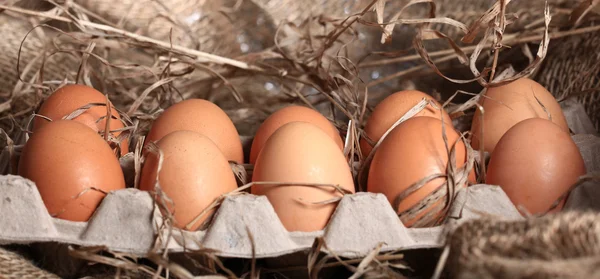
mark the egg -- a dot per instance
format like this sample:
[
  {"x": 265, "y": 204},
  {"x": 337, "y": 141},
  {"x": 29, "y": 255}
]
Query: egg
[
  {"x": 72, "y": 167},
  {"x": 69, "y": 98},
  {"x": 193, "y": 174},
  {"x": 535, "y": 162},
  {"x": 287, "y": 115},
  {"x": 391, "y": 109},
  {"x": 300, "y": 152},
  {"x": 411, "y": 152},
  {"x": 203, "y": 117},
  {"x": 507, "y": 105}
]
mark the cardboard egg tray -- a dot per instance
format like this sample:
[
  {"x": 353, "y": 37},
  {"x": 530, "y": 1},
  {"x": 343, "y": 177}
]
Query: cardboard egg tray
[{"x": 127, "y": 220}]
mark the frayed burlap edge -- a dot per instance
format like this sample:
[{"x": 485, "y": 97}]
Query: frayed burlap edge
[
  {"x": 566, "y": 245},
  {"x": 13, "y": 265}
]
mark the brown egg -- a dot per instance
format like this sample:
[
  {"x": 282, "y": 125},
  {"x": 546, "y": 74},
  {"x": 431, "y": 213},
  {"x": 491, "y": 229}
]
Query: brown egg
[
  {"x": 194, "y": 173},
  {"x": 72, "y": 167},
  {"x": 414, "y": 150},
  {"x": 300, "y": 152},
  {"x": 510, "y": 104},
  {"x": 203, "y": 117},
  {"x": 68, "y": 99},
  {"x": 391, "y": 109},
  {"x": 287, "y": 115},
  {"x": 535, "y": 163}
]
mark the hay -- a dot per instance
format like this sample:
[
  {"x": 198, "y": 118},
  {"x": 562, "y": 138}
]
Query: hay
[
  {"x": 148, "y": 55},
  {"x": 30, "y": 58},
  {"x": 565, "y": 245}
]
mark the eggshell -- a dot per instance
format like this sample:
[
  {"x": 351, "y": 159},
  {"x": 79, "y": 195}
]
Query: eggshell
[
  {"x": 412, "y": 151},
  {"x": 510, "y": 104},
  {"x": 300, "y": 152},
  {"x": 203, "y": 117},
  {"x": 72, "y": 167},
  {"x": 194, "y": 173},
  {"x": 535, "y": 163},
  {"x": 391, "y": 109},
  {"x": 287, "y": 115},
  {"x": 68, "y": 99}
]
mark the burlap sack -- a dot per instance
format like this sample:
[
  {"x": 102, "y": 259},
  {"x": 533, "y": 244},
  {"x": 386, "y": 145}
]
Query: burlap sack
[
  {"x": 520, "y": 13},
  {"x": 565, "y": 245},
  {"x": 300, "y": 11},
  {"x": 571, "y": 70},
  {"x": 196, "y": 24},
  {"x": 152, "y": 19},
  {"x": 13, "y": 31},
  {"x": 15, "y": 266}
]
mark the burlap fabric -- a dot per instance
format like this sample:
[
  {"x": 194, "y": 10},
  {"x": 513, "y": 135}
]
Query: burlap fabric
[
  {"x": 566, "y": 245},
  {"x": 479, "y": 249},
  {"x": 14, "y": 266},
  {"x": 572, "y": 70},
  {"x": 299, "y": 11},
  {"x": 197, "y": 24},
  {"x": 521, "y": 13},
  {"x": 14, "y": 30}
]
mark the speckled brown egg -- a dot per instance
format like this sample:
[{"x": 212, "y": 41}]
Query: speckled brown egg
[
  {"x": 203, "y": 117},
  {"x": 72, "y": 168},
  {"x": 69, "y": 98},
  {"x": 391, "y": 109},
  {"x": 287, "y": 115},
  {"x": 535, "y": 163},
  {"x": 300, "y": 152},
  {"x": 510, "y": 104},
  {"x": 413, "y": 151},
  {"x": 194, "y": 173}
]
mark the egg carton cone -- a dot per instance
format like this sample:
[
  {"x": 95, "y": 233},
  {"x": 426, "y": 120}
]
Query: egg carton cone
[{"x": 128, "y": 221}]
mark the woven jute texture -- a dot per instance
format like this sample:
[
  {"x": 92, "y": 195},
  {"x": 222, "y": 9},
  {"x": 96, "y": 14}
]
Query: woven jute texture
[
  {"x": 14, "y": 266},
  {"x": 299, "y": 11},
  {"x": 197, "y": 24},
  {"x": 13, "y": 31},
  {"x": 566, "y": 245},
  {"x": 572, "y": 70}
]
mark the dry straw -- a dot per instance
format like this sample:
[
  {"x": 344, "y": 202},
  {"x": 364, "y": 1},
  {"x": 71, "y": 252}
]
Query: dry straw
[
  {"x": 195, "y": 24},
  {"x": 311, "y": 55},
  {"x": 37, "y": 61},
  {"x": 31, "y": 54}
]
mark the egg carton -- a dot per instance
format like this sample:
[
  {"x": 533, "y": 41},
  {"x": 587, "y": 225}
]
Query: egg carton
[{"x": 127, "y": 220}]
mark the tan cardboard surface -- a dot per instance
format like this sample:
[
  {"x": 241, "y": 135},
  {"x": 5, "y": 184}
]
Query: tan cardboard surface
[{"x": 126, "y": 221}]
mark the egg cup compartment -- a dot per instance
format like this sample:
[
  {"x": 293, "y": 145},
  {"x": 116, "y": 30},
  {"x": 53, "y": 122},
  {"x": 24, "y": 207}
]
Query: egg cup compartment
[
  {"x": 126, "y": 221},
  {"x": 123, "y": 221}
]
